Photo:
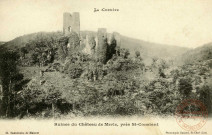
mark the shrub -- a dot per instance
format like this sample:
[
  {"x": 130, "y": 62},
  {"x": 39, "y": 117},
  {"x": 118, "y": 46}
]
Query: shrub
[{"x": 74, "y": 71}]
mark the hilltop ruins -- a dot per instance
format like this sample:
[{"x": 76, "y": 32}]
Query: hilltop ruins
[{"x": 96, "y": 44}]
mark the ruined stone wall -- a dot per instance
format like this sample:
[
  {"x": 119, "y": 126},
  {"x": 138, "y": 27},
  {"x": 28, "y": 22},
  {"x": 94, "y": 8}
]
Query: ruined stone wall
[
  {"x": 76, "y": 23},
  {"x": 97, "y": 45},
  {"x": 71, "y": 22},
  {"x": 109, "y": 37},
  {"x": 66, "y": 22},
  {"x": 102, "y": 46},
  {"x": 87, "y": 48},
  {"x": 117, "y": 37},
  {"x": 92, "y": 44}
]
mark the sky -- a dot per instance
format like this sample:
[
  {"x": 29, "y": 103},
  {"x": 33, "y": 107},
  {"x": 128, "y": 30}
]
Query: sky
[{"x": 186, "y": 23}]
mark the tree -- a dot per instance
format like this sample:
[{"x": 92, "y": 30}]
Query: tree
[
  {"x": 73, "y": 42},
  {"x": 185, "y": 87},
  {"x": 41, "y": 49},
  {"x": 52, "y": 96},
  {"x": 205, "y": 97},
  {"x": 92, "y": 44},
  {"x": 111, "y": 50},
  {"x": 137, "y": 54},
  {"x": 124, "y": 53},
  {"x": 161, "y": 96},
  {"x": 31, "y": 98},
  {"x": 74, "y": 70},
  {"x": 62, "y": 49},
  {"x": 9, "y": 77},
  {"x": 23, "y": 51}
]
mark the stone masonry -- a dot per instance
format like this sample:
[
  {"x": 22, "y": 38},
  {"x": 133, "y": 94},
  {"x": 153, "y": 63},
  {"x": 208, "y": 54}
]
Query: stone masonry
[
  {"x": 71, "y": 22},
  {"x": 102, "y": 45},
  {"x": 95, "y": 44}
]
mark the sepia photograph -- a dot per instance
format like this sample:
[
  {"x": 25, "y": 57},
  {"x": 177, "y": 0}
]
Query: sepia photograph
[{"x": 119, "y": 65}]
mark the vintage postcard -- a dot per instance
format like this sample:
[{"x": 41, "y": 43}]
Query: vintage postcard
[{"x": 105, "y": 67}]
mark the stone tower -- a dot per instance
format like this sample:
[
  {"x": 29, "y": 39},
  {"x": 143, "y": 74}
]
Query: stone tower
[
  {"x": 102, "y": 45},
  {"x": 118, "y": 38},
  {"x": 71, "y": 23}
]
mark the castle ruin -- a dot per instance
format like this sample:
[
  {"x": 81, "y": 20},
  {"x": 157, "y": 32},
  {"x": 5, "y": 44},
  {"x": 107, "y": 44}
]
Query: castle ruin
[
  {"x": 95, "y": 44},
  {"x": 102, "y": 45},
  {"x": 71, "y": 23}
]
